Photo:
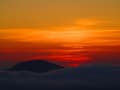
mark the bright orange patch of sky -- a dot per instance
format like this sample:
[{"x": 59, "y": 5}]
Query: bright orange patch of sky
[{"x": 68, "y": 46}]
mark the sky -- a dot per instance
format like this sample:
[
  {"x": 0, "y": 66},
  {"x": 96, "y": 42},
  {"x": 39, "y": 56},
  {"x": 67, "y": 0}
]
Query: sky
[{"x": 67, "y": 32}]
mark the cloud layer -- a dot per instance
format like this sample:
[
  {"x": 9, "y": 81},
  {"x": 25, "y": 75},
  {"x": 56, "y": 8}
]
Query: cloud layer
[{"x": 84, "y": 77}]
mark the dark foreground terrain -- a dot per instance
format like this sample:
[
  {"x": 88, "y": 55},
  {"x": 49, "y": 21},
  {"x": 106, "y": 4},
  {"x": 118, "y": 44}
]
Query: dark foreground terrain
[
  {"x": 93, "y": 77},
  {"x": 40, "y": 75}
]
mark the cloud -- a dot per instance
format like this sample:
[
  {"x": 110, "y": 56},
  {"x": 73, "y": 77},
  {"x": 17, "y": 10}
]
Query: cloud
[
  {"x": 88, "y": 22},
  {"x": 92, "y": 23},
  {"x": 84, "y": 77}
]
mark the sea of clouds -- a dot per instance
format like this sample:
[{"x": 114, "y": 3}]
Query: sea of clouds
[{"x": 80, "y": 78}]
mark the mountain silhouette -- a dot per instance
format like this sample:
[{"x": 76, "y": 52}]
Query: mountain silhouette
[{"x": 37, "y": 66}]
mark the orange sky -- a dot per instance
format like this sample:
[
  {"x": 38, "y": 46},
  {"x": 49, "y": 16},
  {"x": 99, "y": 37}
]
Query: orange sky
[
  {"x": 66, "y": 45},
  {"x": 67, "y": 32}
]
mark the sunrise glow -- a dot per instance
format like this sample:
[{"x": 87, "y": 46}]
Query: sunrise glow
[{"x": 62, "y": 31}]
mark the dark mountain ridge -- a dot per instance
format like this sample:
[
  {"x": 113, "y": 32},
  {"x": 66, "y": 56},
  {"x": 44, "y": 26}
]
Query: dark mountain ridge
[{"x": 37, "y": 66}]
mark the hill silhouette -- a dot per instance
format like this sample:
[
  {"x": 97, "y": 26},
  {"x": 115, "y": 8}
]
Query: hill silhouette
[{"x": 37, "y": 66}]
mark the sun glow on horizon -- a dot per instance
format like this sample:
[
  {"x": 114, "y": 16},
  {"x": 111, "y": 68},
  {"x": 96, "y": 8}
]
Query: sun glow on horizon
[
  {"x": 66, "y": 31},
  {"x": 61, "y": 45}
]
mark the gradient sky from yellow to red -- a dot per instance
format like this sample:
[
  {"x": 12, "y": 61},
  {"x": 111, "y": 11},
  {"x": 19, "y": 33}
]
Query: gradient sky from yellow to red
[{"x": 67, "y": 32}]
